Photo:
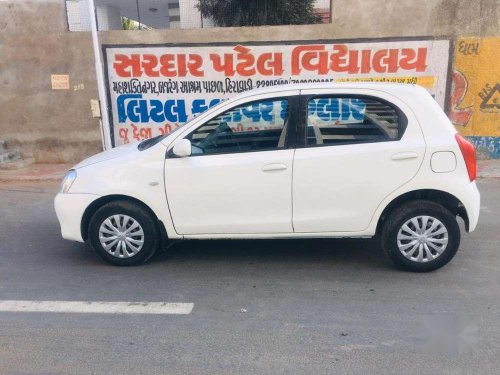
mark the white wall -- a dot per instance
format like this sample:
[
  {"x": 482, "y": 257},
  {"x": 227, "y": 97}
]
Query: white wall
[
  {"x": 108, "y": 18},
  {"x": 78, "y": 15},
  {"x": 191, "y": 17}
]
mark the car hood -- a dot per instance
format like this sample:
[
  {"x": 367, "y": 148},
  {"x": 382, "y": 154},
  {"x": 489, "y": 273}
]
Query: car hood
[{"x": 114, "y": 153}]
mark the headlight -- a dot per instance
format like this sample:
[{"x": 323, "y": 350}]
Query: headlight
[{"x": 68, "y": 181}]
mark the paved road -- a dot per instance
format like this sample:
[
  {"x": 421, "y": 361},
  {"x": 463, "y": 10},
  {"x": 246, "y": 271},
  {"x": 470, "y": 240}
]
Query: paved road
[{"x": 263, "y": 307}]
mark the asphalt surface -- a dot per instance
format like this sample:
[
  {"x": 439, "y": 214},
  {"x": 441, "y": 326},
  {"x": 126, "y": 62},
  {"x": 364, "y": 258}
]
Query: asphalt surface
[{"x": 261, "y": 307}]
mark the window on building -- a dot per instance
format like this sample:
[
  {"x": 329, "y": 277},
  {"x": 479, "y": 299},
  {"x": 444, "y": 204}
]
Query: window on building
[
  {"x": 125, "y": 14},
  {"x": 340, "y": 120},
  {"x": 185, "y": 14}
]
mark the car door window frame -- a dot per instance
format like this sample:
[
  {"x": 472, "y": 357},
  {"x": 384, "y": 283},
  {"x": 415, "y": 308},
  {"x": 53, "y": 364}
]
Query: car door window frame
[
  {"x": 290, "y": 126},
  {"x": 301, "y": 137}
]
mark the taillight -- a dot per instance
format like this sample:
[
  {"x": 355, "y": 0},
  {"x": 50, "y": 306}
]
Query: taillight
[{"x": 469, "y": 154}]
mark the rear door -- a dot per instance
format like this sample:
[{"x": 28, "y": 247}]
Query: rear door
[{"x": 356, "y": 149}]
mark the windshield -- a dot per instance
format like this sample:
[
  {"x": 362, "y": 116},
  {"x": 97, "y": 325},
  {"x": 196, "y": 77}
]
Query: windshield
[
  {"x": 176, "y": 129},
  {"x": 191, "y": 118},
  {"x": 147, "y": 143}
]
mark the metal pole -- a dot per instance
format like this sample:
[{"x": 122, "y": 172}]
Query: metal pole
[
  {"x": 105, "y": 128},
  {"x": 138, "y": 13},
  {"x": 331, "y": 11}
]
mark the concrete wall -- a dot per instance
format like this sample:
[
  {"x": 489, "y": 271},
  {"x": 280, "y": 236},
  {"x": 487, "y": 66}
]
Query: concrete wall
[
  {"x": 49, "y": 125},
  {"x": 57, "y": 126},
  {"x": 379, "y": 18}
]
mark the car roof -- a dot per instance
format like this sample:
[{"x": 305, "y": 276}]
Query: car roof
[{"x": 332, "y": 85}]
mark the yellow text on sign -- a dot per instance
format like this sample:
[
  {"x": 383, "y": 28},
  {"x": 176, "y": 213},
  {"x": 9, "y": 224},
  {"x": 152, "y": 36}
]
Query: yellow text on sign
[{"x": 425, "y": 81}]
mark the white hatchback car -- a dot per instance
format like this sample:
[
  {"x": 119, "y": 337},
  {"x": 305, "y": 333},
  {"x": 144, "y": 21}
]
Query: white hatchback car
[{"x": 343, "y": 160}]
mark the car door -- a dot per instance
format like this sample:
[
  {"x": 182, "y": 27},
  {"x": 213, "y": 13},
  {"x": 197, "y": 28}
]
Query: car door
[
  {"x": 238, "y": 179},
  {"x": 356, "y": 149}
]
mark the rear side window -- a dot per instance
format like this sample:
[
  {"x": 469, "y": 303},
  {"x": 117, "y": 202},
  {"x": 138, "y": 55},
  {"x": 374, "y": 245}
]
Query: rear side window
[{"x": 335, "y": 120}]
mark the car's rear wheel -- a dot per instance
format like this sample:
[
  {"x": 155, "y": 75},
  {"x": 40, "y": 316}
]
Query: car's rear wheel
[
  {"x": 123, "y": 233},
  {"x": 420, "y": 236}
]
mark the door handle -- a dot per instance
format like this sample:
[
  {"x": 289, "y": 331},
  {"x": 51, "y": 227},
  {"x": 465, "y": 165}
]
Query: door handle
[
  {"x": 404, "y": 156},
  {"x": 273, "y": 167}
]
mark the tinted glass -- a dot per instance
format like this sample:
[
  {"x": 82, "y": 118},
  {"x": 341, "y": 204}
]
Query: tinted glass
[
  {"x": 256, "y": 126},
  {"x": 337, "y": 120}
]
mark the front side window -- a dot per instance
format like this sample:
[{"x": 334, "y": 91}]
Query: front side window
[
  {"x": 341, "y": 120},
  {"x": 255, "y": 126}
]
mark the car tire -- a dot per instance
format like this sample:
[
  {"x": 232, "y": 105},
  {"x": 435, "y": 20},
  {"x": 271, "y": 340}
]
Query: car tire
[
  {"x": 124, "y": 233},
  {"x": 420, "y": 236}
]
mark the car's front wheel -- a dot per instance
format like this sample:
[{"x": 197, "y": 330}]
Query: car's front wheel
[
  {"x": 123, "y": 233},
  {"x": 420, "y": 236}
]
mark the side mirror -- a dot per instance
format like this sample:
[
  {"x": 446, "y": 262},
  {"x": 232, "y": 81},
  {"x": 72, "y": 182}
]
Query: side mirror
[{"x": 182, "y": 148}]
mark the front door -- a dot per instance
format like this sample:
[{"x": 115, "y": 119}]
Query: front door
[{"x": 238, "y": 179}]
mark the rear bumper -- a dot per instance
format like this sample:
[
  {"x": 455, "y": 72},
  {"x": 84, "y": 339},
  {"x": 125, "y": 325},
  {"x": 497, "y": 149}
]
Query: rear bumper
[
  {"x": 69, "y": 210},
  {"x": 471, "y": 199}
]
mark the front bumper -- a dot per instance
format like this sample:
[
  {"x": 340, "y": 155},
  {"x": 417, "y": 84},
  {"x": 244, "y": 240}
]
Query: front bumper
[{"x": 69, "y": 210}]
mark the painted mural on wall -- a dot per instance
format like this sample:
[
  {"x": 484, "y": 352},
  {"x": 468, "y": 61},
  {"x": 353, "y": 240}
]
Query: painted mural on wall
[
  {"x": 154, "y": 89},
  {"x": 475, "y": 94}
]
